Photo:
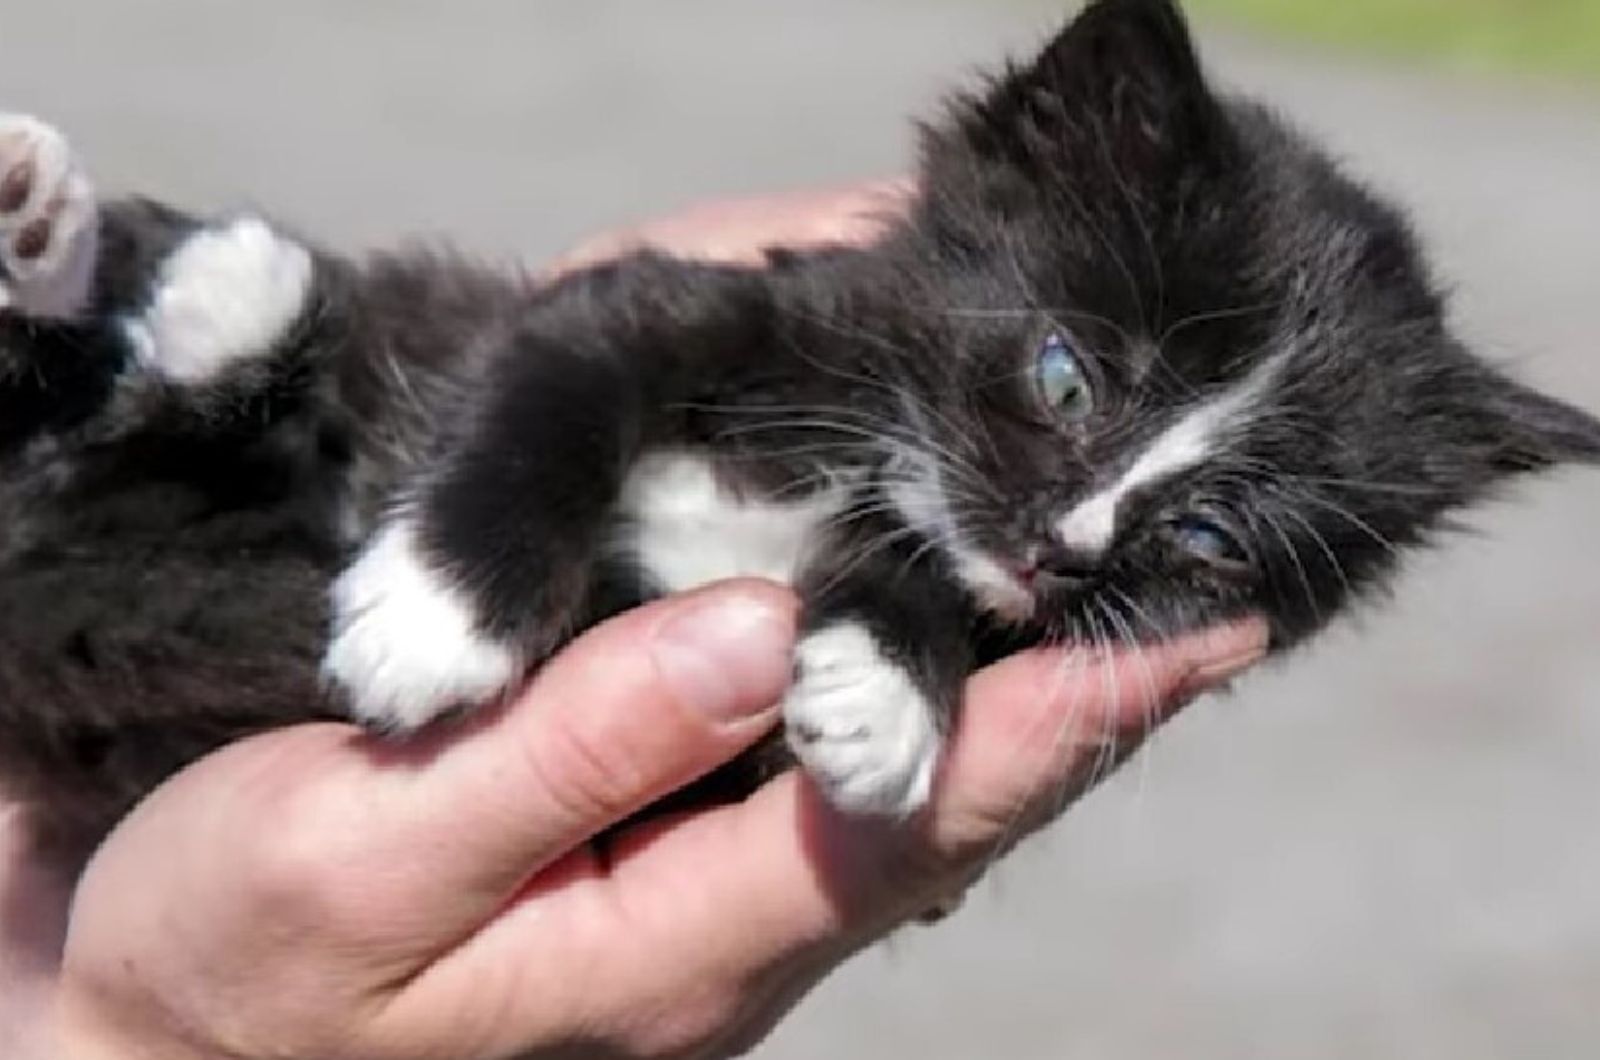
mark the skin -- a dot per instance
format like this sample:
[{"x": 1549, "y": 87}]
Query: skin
[{"x": 313, "y": 893}]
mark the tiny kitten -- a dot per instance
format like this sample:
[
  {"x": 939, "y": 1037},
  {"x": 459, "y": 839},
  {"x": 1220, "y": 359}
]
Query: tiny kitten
[{"x": 1139, "y": 359}]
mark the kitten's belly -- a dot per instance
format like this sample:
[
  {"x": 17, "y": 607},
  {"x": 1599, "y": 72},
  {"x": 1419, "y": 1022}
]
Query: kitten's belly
[{"x": 686, "y": 527}]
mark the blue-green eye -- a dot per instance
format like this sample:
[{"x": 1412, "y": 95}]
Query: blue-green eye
[{"x": 1063, "y": 384}]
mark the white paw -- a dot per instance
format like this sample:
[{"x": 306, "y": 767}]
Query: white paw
[
  {"x": 860, "y": 726},
  {"x": 405, "y": 647},
  {"x": 227, "y": 294},
  {"x": 48, "y": 222}
]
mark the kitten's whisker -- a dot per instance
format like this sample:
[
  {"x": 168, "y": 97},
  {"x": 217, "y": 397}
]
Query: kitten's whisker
[
  {"x": 1213, "y": 316},
  {"x": 1327, "y": 549},
  {"x": 900, "y": 392},
  {"x": 1149, "y": 704},
  {"x": 1374, "y": 487},
  {"x": 1106, "y": 753},
  {"x": 869, "y": 548},
  {"x": 916, "y": 408},
  {"x": 1072, "y": 665},
  {"x": 1161, "y": 634},
  {"x": 916, "y": 557},
  {"x": 1299, "y": 565},
  {"x": 1350, "y": 517}
]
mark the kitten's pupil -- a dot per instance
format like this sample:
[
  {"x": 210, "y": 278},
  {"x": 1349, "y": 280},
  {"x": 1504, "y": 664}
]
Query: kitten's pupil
[
  {"x": 1209, "y": 542},
  {"x": 1063, "y": 386}
]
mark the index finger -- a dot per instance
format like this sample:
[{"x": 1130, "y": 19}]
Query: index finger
[
  {"x": 741, "y": 231},
  {"x": 804, "y": 876}
]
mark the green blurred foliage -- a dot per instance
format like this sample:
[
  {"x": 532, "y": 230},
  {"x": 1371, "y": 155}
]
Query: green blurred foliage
[{"x": 1560, "y": 37}]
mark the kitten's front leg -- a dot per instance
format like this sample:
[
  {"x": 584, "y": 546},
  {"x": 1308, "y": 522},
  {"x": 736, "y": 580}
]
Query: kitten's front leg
[
  {"x": 488, "y": 569},
  {"x": 494, "y": 561},
  {"x": 48, "y": 222},
  {"x": 879, "y": 674}
]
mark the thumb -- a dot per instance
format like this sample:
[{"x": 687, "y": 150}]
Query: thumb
[{"x": 451, "y": 827}]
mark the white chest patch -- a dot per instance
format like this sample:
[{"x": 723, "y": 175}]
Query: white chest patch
[{"x": 687, "y": 529}]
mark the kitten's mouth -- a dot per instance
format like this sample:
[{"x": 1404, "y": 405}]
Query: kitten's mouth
[
  {"x": 1044, "y": 574},
  {"x": 1020, "y": 590}
]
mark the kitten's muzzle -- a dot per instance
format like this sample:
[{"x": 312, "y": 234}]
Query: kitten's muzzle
[{"x": 1056, "y": 567}]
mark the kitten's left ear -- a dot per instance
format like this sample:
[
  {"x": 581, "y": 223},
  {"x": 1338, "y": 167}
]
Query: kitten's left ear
[{"x": 1536, "y": 431}]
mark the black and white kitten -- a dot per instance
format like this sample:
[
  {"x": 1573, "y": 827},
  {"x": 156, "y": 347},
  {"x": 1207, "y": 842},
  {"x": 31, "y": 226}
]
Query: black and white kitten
[{"x": 1139, "y": 359}]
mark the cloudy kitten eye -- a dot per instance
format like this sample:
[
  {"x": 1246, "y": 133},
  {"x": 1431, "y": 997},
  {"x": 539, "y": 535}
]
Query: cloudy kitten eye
[
  {"x": 1210, "y": 543},
  {"x": 1062, "y": 382}
]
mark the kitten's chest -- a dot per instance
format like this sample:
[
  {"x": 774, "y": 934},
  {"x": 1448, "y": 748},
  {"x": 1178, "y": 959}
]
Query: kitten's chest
[{"x": 687, "y": 524}]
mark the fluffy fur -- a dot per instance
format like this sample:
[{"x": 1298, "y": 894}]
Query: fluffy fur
[{"x": 1139, "y": 359}]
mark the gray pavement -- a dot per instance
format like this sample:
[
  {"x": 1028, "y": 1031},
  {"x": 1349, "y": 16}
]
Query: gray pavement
[{"x": 1387, "y": 848}]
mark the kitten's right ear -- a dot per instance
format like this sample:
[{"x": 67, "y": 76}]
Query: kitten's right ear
[{"x": 1121, "y": 85}]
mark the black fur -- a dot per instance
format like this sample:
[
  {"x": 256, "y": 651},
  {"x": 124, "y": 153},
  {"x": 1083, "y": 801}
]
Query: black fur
[{"x": 164, "y": 550}]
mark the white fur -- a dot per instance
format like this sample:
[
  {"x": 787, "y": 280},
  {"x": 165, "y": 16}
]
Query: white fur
[
  {"x": 405, "y": 647},
  {"x": 56, "y": 283},
  {"x": 916, "y": 489},
  {"x": 860, "y": 726},
  {"x": 1092, "y": 525},
  {"x": 686, "y": 529},
  {"x": 225, "y": 295}
]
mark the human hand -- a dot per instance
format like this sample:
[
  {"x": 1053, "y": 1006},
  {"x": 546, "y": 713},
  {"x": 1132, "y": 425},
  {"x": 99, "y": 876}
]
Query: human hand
[
  {"x": 315, "y": 893},
  {"x": 740, "y": 231}
]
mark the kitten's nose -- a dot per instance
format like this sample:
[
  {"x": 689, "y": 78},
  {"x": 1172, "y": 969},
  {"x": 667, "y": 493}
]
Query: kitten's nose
[{"x": 1067, "y": 567}]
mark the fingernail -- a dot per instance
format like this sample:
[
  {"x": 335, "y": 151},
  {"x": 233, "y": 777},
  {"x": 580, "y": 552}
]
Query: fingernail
[{"x": 727, "y": 654}]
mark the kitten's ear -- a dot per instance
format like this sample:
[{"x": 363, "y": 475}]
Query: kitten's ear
[
  {"x": 1122, "y": 82},
  {"x": 1538, "y": 431}
]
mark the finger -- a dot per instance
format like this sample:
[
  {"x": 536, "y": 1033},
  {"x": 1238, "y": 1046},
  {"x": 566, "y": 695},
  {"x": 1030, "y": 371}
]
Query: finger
[
  {"x": 759, "y": 901},
  {"x": 636, "y": 708},
  {"x": 740, "y": 231},
  {"x": 1041, "y": 726},
  {"x": 1028, "y": 724},
  {"x": 741, "y": 891}
]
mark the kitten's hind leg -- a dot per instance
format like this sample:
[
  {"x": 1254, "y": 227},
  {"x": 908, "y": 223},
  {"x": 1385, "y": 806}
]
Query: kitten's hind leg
[
  {"x": 48, "y": 222},
  {"x": 227, "y": 294}
]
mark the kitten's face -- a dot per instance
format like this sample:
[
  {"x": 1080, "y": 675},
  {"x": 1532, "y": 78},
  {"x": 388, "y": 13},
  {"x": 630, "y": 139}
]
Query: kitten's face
[{"x": 1190, "y": 371}]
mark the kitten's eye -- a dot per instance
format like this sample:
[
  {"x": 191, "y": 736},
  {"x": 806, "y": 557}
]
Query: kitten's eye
[
  {"x": 1063, "y": 384},
  {"x": 1210, "y": 543}
]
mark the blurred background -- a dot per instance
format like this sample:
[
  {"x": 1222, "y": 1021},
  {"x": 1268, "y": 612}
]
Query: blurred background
[{"x": 1385, "y": 848}]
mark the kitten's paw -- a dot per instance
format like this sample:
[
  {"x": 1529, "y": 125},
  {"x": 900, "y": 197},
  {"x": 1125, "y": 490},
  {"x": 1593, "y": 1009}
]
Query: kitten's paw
[
  {"x": 227, "y": 294},
  {"x": 860, "y": 726},
  {"x": 406, "y": 648},
  {"x": 48, "y": 222}
]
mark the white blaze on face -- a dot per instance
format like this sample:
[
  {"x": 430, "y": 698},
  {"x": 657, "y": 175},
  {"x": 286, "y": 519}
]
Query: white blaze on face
[{"x": 1091, "y": 527}]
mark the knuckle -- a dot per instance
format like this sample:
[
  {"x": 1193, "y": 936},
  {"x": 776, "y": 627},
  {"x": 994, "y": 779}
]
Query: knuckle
[{"x": 583, "y": 775}]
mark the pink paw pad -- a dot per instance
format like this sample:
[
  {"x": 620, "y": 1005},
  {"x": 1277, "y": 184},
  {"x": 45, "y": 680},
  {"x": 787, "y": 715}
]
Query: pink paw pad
[{"x": 47, "y": 221}]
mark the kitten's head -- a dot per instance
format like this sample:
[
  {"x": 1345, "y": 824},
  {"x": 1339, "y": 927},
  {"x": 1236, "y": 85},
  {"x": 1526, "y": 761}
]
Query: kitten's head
[{"x": 1187, "y": 369}]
